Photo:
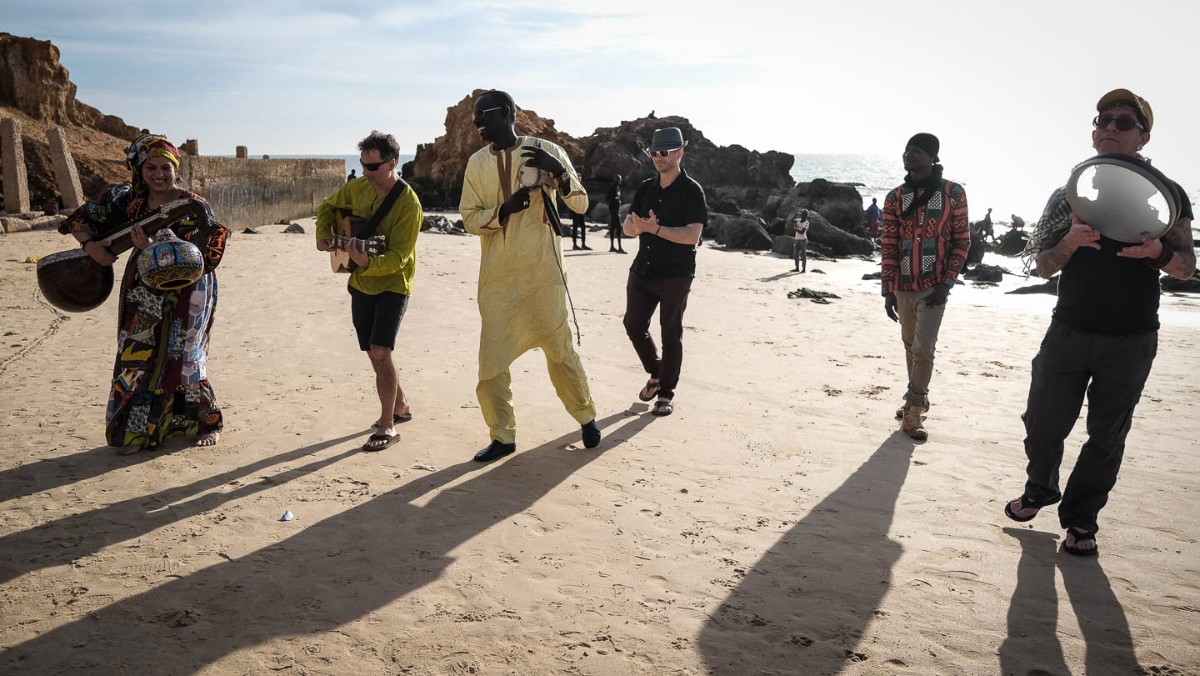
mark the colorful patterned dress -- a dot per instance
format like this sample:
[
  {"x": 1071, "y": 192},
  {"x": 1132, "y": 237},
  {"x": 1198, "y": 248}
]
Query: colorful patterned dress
[{"x": 160, "y": 386}]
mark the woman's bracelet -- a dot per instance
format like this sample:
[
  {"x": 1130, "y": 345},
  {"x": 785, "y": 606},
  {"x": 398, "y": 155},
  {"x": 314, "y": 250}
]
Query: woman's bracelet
[
  {"x": 84, "y": 243},
  {"x": 659, "y": 228}
]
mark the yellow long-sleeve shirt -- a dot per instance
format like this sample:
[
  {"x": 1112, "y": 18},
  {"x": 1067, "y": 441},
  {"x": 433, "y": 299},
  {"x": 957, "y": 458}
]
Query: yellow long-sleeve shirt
[{"x": 395, "y": 268}]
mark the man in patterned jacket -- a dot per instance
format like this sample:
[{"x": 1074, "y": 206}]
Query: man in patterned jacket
[{"x": 924, "y": 243}]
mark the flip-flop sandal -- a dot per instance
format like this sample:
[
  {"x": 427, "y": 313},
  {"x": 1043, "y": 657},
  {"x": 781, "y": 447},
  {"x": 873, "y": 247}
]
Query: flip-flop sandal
[
  {"x": 396, "y": 419},
  {"x": 1076, "y": 536},
  {"x": 649, "y": 391},
  {"x": 1024, "y": 505},
  {"x": 373, "y": 445},
  {"x": 662, "y": 407}
]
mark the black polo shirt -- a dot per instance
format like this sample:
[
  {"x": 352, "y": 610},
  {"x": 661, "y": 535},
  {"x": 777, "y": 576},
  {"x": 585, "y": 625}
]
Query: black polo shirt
[{"x": 676, "y": 206}]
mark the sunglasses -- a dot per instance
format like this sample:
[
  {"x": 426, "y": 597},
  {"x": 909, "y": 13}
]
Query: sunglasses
[
  {"x": 485, "y": 111},
  {"x": 372, "y": 166},
  {"x": 1124, "y": 122},
  {"x": 660, "y": 153}
]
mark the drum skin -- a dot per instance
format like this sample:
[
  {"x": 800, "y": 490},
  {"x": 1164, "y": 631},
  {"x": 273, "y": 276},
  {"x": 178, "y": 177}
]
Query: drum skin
[{"x": 73, "y": 282}]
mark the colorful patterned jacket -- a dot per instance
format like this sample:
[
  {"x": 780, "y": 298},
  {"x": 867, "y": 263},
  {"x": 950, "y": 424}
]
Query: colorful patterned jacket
[{"x": 930, "y": 245}]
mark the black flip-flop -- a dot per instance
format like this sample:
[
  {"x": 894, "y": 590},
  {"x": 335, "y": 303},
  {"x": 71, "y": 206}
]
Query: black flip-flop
[
  {"x": 1080, "y": 536},
  {"x": 649, "y": 391},
  {"x": 390, "y": 438},
  {"x": 1012, "y": 515}
]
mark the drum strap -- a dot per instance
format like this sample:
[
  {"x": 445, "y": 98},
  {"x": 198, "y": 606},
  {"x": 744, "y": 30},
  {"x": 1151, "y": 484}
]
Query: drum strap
[{"x": 369, "y": 228}]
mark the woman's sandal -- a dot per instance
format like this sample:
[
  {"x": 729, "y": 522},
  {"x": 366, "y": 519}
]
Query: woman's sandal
[
  {"x": 1008, "y": 510},
  {"x": 649, "y": 391},
  {"x": 1076, "y": 536}
]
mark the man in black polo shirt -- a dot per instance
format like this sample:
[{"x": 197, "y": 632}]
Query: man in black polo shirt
[
  {"x": 668, "y": 214},
  {"x": 1102, "y": 339}
]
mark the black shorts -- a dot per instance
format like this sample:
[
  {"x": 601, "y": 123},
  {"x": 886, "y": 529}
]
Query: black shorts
[{"x": 377, "y": 318}]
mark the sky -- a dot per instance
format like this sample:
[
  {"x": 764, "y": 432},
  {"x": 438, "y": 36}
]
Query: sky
[{"x": 1012, "y": 83}]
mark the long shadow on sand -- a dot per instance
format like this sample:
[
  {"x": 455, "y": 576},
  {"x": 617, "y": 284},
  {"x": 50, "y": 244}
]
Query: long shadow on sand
[
  {"x": 334, "y": 572},
  {"x": 70, "y": 538},
  {"x": 51, "y": 473},
  {"x": 1032, "y": 645},
  {"x": 803, "y": 607}
]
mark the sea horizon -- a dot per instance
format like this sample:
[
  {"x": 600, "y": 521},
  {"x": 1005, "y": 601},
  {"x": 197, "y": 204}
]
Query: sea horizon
[{"x": 875, "y": 175}]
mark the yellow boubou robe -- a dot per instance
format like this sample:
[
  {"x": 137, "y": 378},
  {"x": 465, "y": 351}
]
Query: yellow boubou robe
[{"x": 522, "y": 295}]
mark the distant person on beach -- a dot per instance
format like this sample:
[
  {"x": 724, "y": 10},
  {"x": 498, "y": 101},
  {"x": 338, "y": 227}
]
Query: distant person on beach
[
  {"x": 924, "y": 244},
  {"x": 985, "y": 226},
  {"x": 351, "y": 176},
  {"x": 873, "y": 218},
  {"x": 668, "y": 214},
  {"x": 1018, "y": 223},
  {"x": 160, "y": 385},
  {"x": 579, "y": 230},
  {"x": 1102, "y": 337},
  {"x": 800, "y": 241},
  {"x": 614, "y": 216},
  {"x": 522, "y": 288},
  {"x": 379, "y": 285}
]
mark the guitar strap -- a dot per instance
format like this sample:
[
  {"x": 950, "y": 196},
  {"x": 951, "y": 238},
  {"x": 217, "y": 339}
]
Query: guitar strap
[{"x": 377, "y": 217}]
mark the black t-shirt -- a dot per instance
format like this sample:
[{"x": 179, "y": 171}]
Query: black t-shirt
[
  {"x": 677, "y": 205},
  {"x": 1101, "y": 292}
]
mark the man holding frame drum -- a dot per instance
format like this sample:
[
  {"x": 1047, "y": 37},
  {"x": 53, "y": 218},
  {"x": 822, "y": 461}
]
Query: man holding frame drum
[{"x": 1104, "y": 334}]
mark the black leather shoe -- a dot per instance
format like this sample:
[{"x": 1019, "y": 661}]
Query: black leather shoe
[
  {"x": 591, "y": 435},
  {"x": 494, "y": 451}
]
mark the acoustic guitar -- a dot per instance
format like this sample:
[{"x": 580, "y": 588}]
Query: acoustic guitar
[{"x": 345, "y": 224}]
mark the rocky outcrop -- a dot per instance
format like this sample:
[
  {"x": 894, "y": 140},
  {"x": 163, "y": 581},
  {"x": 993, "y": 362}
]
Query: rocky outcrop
[
  {"x": 730, "y": 175},
  {"x": 436, "y": 171},
  {"x": 36, "y": 89}
]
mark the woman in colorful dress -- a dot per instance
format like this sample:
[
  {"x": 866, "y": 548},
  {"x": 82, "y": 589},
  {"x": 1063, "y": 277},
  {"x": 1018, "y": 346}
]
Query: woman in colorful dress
[{"x": 160, "y": 386}]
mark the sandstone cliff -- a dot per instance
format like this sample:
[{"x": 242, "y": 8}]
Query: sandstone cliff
[
  {"x": 436, "y": 171},
  {"x": 36, "y": 90}
]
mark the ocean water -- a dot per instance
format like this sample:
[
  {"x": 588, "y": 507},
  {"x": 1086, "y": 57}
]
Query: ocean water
[{"x": 986, "y": 185}]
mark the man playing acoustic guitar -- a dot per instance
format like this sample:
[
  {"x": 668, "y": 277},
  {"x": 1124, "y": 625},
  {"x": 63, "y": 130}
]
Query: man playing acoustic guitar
[{"x": 380, "y": 284}]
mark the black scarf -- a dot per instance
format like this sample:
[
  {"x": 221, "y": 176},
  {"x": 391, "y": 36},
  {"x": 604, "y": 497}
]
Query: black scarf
[{"x": 923, "y": 189}]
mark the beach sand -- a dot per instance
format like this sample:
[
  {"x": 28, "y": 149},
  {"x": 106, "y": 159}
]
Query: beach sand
[{"x": 778, "y": 522}]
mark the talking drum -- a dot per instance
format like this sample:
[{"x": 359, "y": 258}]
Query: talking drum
[
  {"x": 170, "y": 263},
  {"x": 1122, "y": 197}
]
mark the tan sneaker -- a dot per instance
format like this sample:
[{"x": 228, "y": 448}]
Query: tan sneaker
[{"x": 911, "y": 424}]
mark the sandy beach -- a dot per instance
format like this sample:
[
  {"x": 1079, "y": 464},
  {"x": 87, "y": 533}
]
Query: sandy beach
[{"x": 777, "y": 523}]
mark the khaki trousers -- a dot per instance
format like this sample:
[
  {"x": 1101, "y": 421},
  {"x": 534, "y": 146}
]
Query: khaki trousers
[{"x": 919, "y": 324}]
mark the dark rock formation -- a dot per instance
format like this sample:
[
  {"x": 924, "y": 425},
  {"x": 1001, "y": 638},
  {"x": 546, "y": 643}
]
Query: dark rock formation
[
  {"x": 731, "y": 176},
  {"x": 1011, "y": 243},
  {"x": 1174, "y": 285},
  {"x": 1050, "y": 287},
  {"x": 744, "y": 233},
  {"x": 839, "y": 204},
  {"x": 985, "y": 273}
]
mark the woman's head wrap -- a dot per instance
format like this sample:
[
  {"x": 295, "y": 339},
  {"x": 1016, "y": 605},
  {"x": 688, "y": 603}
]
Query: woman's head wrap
[{"x": 147, "y": 146}]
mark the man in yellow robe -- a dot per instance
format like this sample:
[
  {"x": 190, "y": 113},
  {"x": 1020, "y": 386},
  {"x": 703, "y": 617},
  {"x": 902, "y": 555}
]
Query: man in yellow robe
[{"x": 522, "y": 286}]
